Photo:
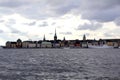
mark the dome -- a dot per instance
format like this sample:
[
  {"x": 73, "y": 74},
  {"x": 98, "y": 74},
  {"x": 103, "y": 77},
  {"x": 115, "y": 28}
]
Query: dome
[{"x": 19, "y": 40}]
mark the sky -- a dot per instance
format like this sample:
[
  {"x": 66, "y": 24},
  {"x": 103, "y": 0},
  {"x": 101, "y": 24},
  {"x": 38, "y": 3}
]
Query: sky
[{"x": 32, "y": 19}]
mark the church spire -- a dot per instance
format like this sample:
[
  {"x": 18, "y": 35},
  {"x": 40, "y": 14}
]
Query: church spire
[
  {"x": 44, "y": 38},
  {"x": 55, "y": 32},
  {"x": 84, "y": 37},
  {"x": 64, "y": 39},
  {"x": 55, "y": 36}
]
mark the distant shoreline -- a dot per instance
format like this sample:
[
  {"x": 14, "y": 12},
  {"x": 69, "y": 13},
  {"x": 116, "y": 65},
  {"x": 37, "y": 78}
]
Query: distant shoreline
[{"x": 62, "y": 48}]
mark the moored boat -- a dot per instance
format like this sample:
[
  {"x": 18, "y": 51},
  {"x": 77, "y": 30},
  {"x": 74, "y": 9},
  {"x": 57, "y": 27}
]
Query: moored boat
[{"x": 97, "y": 46}]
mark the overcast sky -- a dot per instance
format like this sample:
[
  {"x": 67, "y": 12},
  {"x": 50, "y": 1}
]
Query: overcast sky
[{"x": 31, "y": 19}]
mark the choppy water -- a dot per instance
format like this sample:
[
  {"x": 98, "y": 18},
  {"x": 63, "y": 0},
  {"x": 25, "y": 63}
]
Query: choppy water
[{"x": 59, "y": 64}]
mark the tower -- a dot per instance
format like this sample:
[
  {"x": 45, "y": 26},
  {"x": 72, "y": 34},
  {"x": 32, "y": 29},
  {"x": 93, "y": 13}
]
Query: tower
[
  {"x": 55, "y": 36},
  {"x": 19, "y": 43},
  {"x": 64, "y": 39},
  {"x": 44, "y": 38},
  {"x": 84, "y": 37}
]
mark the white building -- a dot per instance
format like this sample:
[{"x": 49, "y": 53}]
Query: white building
[
  {"x": 25, "y": 44},
  {"x": 32, "y": 45},
  {"x": 46, "y": 45},
  {"x": 84, "y": 45},
  {"x": 38, "y": 45}
]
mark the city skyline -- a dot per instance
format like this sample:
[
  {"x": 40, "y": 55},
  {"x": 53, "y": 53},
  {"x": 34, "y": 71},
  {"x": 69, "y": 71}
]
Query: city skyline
[{"x": 71, "y": 18}]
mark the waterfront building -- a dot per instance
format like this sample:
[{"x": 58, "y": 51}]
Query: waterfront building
[
  {"x": 46, "y": 45},
  {"x": 8, "y": 44},
  {"x": 19, "y": 43},
  {"x": 101, "y": 42},
  {"x": 32, "y": 44},
  {"x": 77, "y": 43},
  {"x": 25, "y": 44},
  {"x": 71, "y": 44},
  {"x": 57, "y": 45},
  {"x": 38, "y": 44},
  {"x": 111, "y": 42},
  {"x": 84, "y": 43},
  {"x": 13, "y": 45},
  {"x": 62, "y": 43}
]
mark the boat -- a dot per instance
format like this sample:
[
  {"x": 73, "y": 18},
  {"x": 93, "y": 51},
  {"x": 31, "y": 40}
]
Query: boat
[{"x": 97, "y": 46}]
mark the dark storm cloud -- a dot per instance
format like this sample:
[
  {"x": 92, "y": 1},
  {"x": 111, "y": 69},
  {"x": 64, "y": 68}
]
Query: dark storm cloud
[
  {"x": 44, "y": 24},
  {"x": 99, "y": 10},
  {"x": 89, "y": 26},
  {"x": 66, "y": 33}
]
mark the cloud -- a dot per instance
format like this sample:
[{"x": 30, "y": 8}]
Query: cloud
[
  {"x": 114, "y": 32},
  {"x": 31, "y": 23},
  {"x": 1, "y": 21},
  {"x": 44, "y": 24},
  {"x": 90, "y": 26},
  {"x": 104, "y": 15},
  {"x": 66, "y": 33},
  {"x": 86, "y": 34},
  {"x": 51, "y": 33},
  {"x": 13, "y": 30},
  {"x": 108, "y": 34},
  {"x": 11, "y": 21},
  {"x": 53, "y": 23},
  {"x": 12, "y": 4},
  {"x": 1, "y": 31},
  {"x": 15, "y": 33},
  {"x": 102, "y": 10},
  {"x": 117, "y": 21}
]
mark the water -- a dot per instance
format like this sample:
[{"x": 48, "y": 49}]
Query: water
[{"x": 59, "y": 64}]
